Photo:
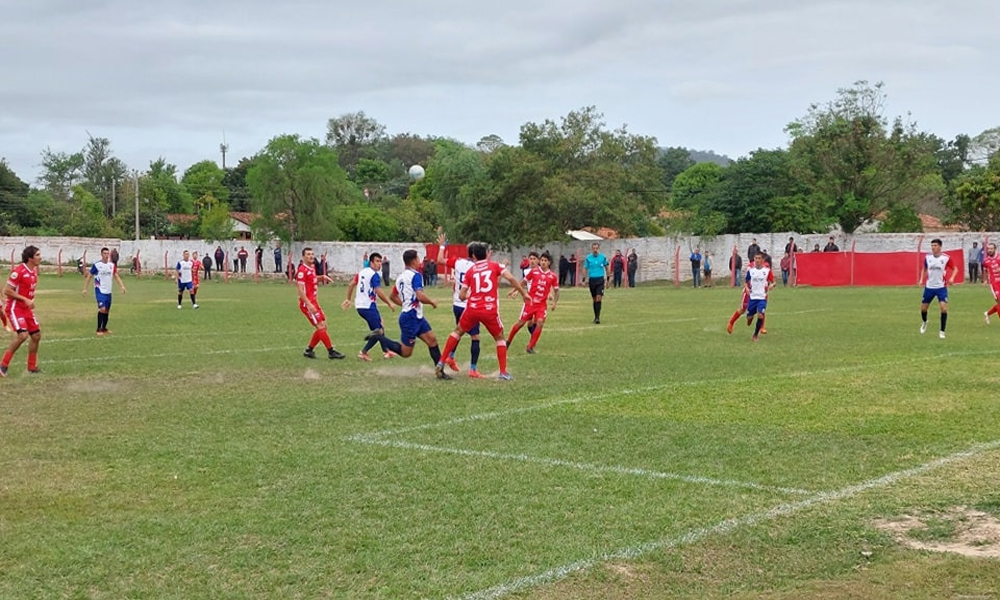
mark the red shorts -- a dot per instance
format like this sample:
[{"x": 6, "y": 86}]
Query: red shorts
[
  {"x": 745, "y": 301},
  {"x": 315, "y": 318},
  {"x": 22, "y": 319},
  {"x": 491, "y": 321},
  {"x": 996, "y": 290},
  {"x": 536, "y": 310}
]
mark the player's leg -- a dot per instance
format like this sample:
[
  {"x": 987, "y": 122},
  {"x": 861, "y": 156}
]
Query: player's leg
[
  {"x": 944, "y": 315},
  {"x": 540, "y": 323},
  {"x": 465, "y": 323},
  {"x": 517, "y": 327},
  {"x": 494, "y": 326},
  {"x": 430, "y": 339},
  {"x": 34, "y": 338},
  {"x": 20, "y": 338},
  {"x": 194, "y": 296}
]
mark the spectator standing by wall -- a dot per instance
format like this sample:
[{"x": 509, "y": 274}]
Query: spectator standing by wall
[
  {"x": 695, "y": 259},
  {"x": 632, "y": 263}
]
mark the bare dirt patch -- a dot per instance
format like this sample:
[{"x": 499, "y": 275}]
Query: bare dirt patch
[{"x": 959, "y": 530}]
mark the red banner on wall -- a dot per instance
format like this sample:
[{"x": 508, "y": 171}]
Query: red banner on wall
[{"x": 868, "y": 268}]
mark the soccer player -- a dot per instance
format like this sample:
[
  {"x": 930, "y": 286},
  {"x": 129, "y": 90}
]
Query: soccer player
[
  {"x": 195, "y": 274},
  {"x": 744, "y": 301},
  {"x": 542, "y": 282},
  {"x": 366, "y": 288},
  {"x": 933, "y": 276},
  {"x": 20, "y": 295},
  {"x": 305, "y": 281},
  {"x": 185, "y": 280},
  {"x": 480, "y": 290},
  {"x": 991, "y": 274},
  {"x": 410, "y": 296},
  {"x": 459, "y": 266},
  {"x": 759, "y": 281},
  {"x": 596, "y": 266},
  {"x": 105, "y": 273}
]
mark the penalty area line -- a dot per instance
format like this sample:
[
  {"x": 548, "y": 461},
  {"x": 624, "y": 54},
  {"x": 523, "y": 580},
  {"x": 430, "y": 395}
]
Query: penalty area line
[
  {"x": 722, "y": 527},
  {"x": 167, "y": 355},
  {"x": 588, "y": 467}
]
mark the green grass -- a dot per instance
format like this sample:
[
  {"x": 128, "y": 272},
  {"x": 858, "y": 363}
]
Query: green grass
[{"x": 197, "y": 453}]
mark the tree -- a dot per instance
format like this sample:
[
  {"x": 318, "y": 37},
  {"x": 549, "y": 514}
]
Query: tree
[
  {"x": 367, "y": 223},
  {"x": 296, "y": 186},
  {"x": 15, "y": 211},
  {"x": 849, "y": 154},
  {"x": 162, "y": 187},
  {"x": 693, "y": 200},
  {"x": 204, "y": 183},
  {"x": 60, "y": 172},
  {"x": 235, "y": 180},
  {"x": 976, "y": 202},
  {"x": 350, "y": 134},
  {"x": 216, "y": 225},
  {"x": 672, "y": 162},
  {"x": 490, "y": 143}
]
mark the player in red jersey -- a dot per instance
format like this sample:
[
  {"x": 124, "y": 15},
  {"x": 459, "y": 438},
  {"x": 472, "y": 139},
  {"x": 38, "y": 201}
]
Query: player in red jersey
[
  {"x": 195, "y": 277},
  {"x": 305, "y": 281},
  {"x": 20, "y": 305},
  {"x": 542, "y": 282},
  {"x": 991, "y": 275},
  {"x": 480, "y": 290}
]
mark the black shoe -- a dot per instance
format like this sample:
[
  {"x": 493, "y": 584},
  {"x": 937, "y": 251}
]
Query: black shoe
[
  {"x": 3, "y": 371},
  {"x": 34, "y": 371},
  {"x": 309, "y": 353},
  {"x": 597, "y": 321},
  {"x": 332, "y": 353},
  {"x": 440, "y": 374},
  {"x": 530, "y": 350}
]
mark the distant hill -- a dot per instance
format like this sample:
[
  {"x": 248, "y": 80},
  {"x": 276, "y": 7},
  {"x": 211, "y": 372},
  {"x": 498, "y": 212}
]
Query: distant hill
[{"x": 704, "y": 156}]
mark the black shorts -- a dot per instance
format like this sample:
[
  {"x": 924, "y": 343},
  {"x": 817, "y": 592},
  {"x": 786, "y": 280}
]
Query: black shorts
[{"x": 596, "y": 286}]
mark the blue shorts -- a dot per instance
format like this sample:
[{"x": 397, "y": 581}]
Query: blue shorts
[
  {"x": 411, "y": 327},
  {"x": 103, "y": 300},
  {"x": 940, "y": 293},
  {"x": 181, "y": 286},
  {"x": 372, "y": 317},
  {"x": 756, "y": 307},
  {"x": 458, "y": 310}
]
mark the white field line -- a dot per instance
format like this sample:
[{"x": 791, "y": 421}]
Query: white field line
[
  {"x": 168, "y": 355},
  {"x": 693, "y": 383},
  {"x": 722, "y": 527},
  {"x": 126, "y": 336},
  {"x": 592, "y": 468}
]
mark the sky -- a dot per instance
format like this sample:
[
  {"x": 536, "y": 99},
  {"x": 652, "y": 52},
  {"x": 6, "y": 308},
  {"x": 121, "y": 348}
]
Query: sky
[{"x": 175, "y": 78}]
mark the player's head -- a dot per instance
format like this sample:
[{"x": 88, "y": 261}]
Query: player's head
[
  {"x": 991, "y": 249},
  {"x": 375, "y": 261},
  {"x": 478, "y": 250},
  {"x": 194, "y": 256},
  {"x": 545, "y": 261},
  {"x": 105, "y": 254},
  {"x": 308, "y": 256},
  {"x": 533, "y": 258},
  {"x": 595, "y": 247},
  {"x": 936, "y": 246},
  {"x": 410, "y": 259},
  {"x": 187, "y": 255},
  {"x": 758, "y": 260},
  {"x": 31, "y": 255}
]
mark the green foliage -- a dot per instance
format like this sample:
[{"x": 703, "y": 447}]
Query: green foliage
[
  {"x": 216, "y": 224},
  {"x": 693, "y": 199},
  {"x": 204, "y": 182},
  {"x": 901, "y": 218},
  {"x": 161, "y": 187},
  {"x": 60, "y": 172},
  {"x": 235, "y": 180},
  {"x": 672, "y": 162},
  {"x": 363, "y": 222},
  {"x": 976, "y": 201},
  {"x": 297, "y": 185},
  {"x": 87, "y": 217},
  {"x": 353, "y": 135}
]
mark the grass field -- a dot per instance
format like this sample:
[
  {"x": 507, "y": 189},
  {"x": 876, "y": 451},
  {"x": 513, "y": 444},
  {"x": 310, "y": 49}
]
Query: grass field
[{"x": 197, "y": 454}]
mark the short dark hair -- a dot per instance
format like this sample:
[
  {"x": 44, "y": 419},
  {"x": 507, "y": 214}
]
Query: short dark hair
[
  {"x": 306, "y": 249},
  {"x": 374, "y": 255},
  {"x": 409, "y": 256},
  {"x": 546, "y": 256},
  {"x": 936, "y": 241},
  {"x": 478, "y": 250},
  {"x": 29, "y": 253},
  {"x": 105, "y": 248},
  {"x": 533, "y": 253}
]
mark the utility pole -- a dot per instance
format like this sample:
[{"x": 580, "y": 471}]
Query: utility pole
[
  {"x": 223, "y": 147},
  {"x": 136, "y": 174}
]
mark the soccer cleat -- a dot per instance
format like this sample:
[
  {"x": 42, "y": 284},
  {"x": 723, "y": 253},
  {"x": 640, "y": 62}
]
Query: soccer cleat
[
  {"x": 309, "y": 353},
  {"x": 474, "y": 374},
  {"x": 923, "y": 327},
  {"x": 35, "y": 371},
  {"x": 729, "y": 328},
  {"x": 194, "y": 306},
  {"x": 505, "y": 377},
  {"x": 941, "y": 334},
  {"x": 3, "y": 371},
  {"x": 389, "y": 354},
  {"x": 333, "y": 354},
  {"x": 530, "y": 350},
  {"x": 597, "y": 321},
  {"x": 753, "y": 339},
  {"x": 364, "y": 356},
  {"x": 100, "y": 333},
  {"x": 439, "y": 372},
  {"x": 450, "y": 361},
  {"x": 179, "y": 307},
  {"x": 763, "y": 331},
  {"x": 749, "y": 321},
  {"x": 986, "y": 316}
]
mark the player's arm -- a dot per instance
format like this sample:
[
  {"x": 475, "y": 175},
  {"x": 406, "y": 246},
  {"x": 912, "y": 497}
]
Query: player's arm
[
  {"x": 303, "y": 298},
  {"x": 394, "y": 297},
  {"x": 555, "y": 297},
  {"x": 86, "y": 279},
  {"x": 517, "y": 285},
  {"x": 11, "y": 292},
  {"x": 607, "y": 269},
  {"x": 923, "y": 275},
  {"x": 425, "y": 298},
  {"x": 512, "y": 293},
  {"x": 441, "y": 259},
  {"x": 381, "y": 295},
  {"x": 350, "y": 292},
  {"x": 954, "y": 274},
  {"x": 118, "y": 278},
  {"x": 463, "y": 294}
]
